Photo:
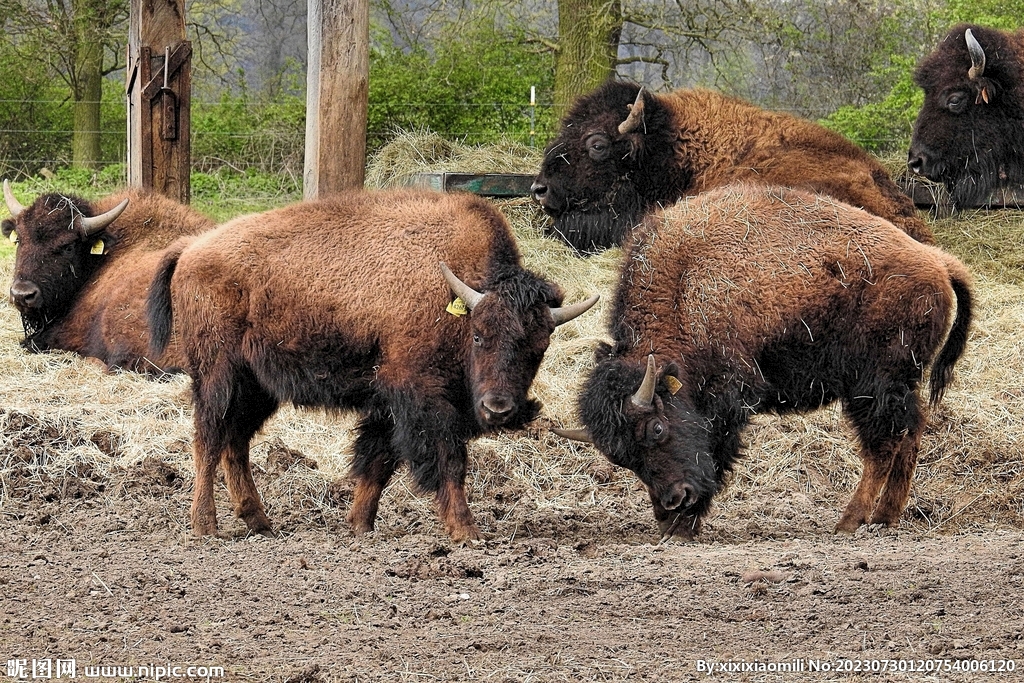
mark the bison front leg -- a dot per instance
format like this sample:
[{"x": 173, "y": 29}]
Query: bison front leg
[
  {"x": 430, "y": 434},
  {"x": 372, "y": 468}
]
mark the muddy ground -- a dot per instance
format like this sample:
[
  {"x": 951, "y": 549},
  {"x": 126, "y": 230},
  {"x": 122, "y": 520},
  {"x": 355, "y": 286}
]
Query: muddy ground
[{"x": 105, "y": 572}]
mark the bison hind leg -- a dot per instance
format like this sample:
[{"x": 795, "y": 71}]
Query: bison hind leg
[
  {"x": 230, "y": 407},
  {"x": 373, "y": 465},
  {"x": 889, "y": 426}
]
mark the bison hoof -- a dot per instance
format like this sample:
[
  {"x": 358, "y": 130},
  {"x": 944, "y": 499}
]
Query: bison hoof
[
  {"x": 469, "y": 537},
  {"x": 848, "y": 526}
]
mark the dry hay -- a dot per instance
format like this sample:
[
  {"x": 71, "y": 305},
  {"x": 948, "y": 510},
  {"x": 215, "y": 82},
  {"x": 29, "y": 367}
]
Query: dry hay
[{"x": 68, "y": 430}]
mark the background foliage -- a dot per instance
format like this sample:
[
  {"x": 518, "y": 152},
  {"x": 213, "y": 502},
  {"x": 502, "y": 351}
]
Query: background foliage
[{"x": 463, "y": 69}]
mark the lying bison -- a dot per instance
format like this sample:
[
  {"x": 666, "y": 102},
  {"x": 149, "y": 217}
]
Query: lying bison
[
  {"x": 82, "y": 270},
  {"x": 342, "y": 304},
  {"x": 749, "y": 299},
  {"x": 622, "y": 152},
  {"x": 969, "y": 134}
]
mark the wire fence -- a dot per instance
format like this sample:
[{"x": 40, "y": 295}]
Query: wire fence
[{"x": 247, "y": 136}]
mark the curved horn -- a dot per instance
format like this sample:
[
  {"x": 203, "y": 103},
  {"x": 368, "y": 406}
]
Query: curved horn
[
  {"x": 564, "y": 314},
  {"x": 470, "y": 296},
  {"x": 92, "y": 225},
  {"x": 977, "y": 56},
  {"x": 13, "y": 205},
  {"x": 644, "y": 396},
  {"x": 636, "y": 115},
  {"x": 574, "y": 434}
]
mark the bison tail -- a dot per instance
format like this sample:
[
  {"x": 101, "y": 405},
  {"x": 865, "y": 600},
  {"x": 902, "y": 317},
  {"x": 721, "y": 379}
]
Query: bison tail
[
  {"x": 159, "y": 314},
  {"x": 942, "y": 371}
]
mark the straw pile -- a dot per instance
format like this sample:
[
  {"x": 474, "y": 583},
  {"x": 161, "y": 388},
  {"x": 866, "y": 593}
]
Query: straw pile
[{"x": 65, "y": 426}]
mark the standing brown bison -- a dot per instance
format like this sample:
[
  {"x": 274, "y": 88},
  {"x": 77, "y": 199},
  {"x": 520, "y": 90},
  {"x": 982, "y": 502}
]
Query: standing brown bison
[
  {"x": 748, "y": 299},
  {"x": 622, "y": 152},
  {"x": 82, "y": 270},
  {"x": 969, "y": 134},
  {"x": 347, "y": 303}
]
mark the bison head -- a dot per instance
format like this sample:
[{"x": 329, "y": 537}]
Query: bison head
[
  {"x": 633, "y": 416},
  {"x": 968, "y": 134},
  {"x": 60, "y": 245},
  {"x": 608, "y": 165},
  {"x": 511, "y": 323}
]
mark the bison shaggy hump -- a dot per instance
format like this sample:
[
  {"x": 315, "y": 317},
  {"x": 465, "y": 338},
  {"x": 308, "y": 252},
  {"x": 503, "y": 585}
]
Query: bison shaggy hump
[
  {"x": 612, "y": 162},
  {"x": 747, "y": 300},
  {"x": 342, "y": 304}
]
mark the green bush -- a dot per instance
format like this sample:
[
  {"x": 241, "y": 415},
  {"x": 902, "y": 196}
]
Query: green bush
[
  {"x": 474, "y": 87},
  {"x": 883, "y": 126}
]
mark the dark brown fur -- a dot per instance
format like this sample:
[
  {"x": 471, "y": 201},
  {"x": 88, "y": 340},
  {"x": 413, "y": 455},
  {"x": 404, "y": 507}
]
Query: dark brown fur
[
  {"x": 769, "y": 300},
  {"x": 690, "y": 141},
  {"x": 969, "y": 133},
  {"x": 95, "y": 304},
  {"x": 341, "y": 304}
]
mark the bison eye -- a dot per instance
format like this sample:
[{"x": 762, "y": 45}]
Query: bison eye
[
  {"x": 656, "y": 431},
  {"x": 477, "y": 341},
  {"x": 956, "y": 102},
  {"x": 599, "y": 146}
]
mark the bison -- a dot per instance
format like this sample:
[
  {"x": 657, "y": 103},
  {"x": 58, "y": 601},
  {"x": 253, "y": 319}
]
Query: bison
[
  {"x": 82, "y": 270},
  {"x": 622, "y": 152},
  {"x": 751, "y": 299},
  {"x": 969, "y": 134},
  {"x": 347, "y": 303}
]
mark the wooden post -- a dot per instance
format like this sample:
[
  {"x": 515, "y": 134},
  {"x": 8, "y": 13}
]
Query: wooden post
[
  {"x": 337, "y": 88},
  {"x": 159, "y": 91}
]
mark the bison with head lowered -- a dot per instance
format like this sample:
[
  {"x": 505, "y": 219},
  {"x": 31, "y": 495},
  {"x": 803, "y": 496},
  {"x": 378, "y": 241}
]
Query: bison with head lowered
[
  {"x": 969, "y": 134},
  {"x": 622, "y": 152},
  {"x": 82, "y": 270},
  {"x": 347, "y": 304},
  {"x": 748, "y": 300}
]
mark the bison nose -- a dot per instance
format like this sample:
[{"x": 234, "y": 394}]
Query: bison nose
[
  {"x": 678, "y": 496},
  {"x": 25, "y": 294},
  {"x": 539, "y": 191},
  {"x": 497, "y": 408},
  {"x": 918, "y": 162}
]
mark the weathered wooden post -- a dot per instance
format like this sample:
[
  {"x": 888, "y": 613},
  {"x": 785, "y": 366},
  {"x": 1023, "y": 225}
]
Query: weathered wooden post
[
  {"x": 159, "y": 98},
  {"x": 337, "y": 88}
]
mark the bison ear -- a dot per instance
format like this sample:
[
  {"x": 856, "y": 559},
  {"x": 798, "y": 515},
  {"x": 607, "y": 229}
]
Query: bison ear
[
  {"x": 8, "y": 227},
  {"x": 670, "y": 378},
  {"x": 987, "y": 91}
]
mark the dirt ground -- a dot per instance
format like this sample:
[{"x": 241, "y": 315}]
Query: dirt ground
[{"x": 107, "y": 574}]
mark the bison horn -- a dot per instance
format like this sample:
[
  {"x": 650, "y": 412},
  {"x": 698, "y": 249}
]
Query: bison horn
[
  {"x": 574, "y": 434},
  {"x": 977, "y": 56},
  {"x": 564, "y": 314},
  {"x": 93, "y": 224},
  {"x": 644, "y": 396},
  {"x": 636, "y": 115},
  {"x": 469, "y": 296},
  {"x": 13, "y": 205}
]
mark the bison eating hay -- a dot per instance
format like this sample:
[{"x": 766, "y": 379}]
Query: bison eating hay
[
  {"x": 622, "y": 152},
  {"x": 969, "y": 134},
  {"x": 346, "y": 304},
  {"x": 82, "y": 271},
  {"x": 751, "y": 300}
]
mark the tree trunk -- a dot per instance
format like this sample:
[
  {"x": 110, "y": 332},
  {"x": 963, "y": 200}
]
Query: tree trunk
[
  {"x": 87, "y": 83},
  {"x": 588, "y": 45},
  {"x": 85, "y": 141}
]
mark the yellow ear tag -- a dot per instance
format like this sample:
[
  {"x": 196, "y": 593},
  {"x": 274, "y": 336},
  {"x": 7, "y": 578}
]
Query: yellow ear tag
[
  {"x": 457, "y": 307},
  {"x": 97, "y": 247},
  {"x": 13, "y": 237},
  {"x": 672, "y": 384}
]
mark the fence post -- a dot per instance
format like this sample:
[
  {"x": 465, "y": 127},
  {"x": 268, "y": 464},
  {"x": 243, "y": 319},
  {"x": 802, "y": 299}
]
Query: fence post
[
  {"x": 337, "y": 88},
  {"x": 159, "y": 94}
]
